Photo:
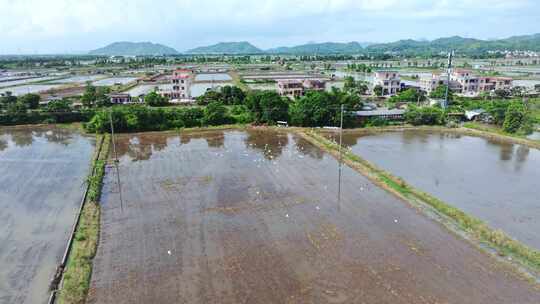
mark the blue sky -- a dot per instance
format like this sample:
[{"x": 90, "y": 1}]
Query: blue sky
[{"x": 59, "y": 26}]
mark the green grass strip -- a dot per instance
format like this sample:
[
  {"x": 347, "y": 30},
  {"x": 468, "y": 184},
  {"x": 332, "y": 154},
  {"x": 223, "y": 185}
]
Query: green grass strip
[{"x": 78, "y": 272}]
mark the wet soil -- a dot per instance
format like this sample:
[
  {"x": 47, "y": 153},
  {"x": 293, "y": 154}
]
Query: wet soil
[
  {"x": 42, "y": 173},
  {"x": 495, "y": 181},
  {"x": 253, "y": 217}
]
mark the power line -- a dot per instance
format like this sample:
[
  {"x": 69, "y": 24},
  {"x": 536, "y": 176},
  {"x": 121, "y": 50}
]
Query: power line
[{"x": 116, "y": 162}]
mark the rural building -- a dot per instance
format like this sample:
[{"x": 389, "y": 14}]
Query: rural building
[
  {"x": 384, "y": 113},
  {"x": 431, "y": 82},
  {"x": 120, "y": 98},
  {"x": 181, "y": 80},
  {"x": 294, "y": 88},
  {"x": 389, "y": 81},
  {"x": 471, "y": 84},
  {"x": 465, "y": 82}
]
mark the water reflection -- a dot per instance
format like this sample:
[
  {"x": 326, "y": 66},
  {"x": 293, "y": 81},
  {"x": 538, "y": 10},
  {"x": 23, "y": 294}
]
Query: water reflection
[
  {"x": 306, "y": 148},
  {"x": 491, "y": 179},
  {"x": 214, "y": 139},
  {"x": 24, "y": 137},
  {"x": 269, "y": 143},
  {"x": 348, "y": 139},
  {"x": 142, "y": 146},
  {"x": 43, "y": 169}
]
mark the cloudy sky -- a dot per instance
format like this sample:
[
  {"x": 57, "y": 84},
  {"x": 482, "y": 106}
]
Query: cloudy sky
[{"x": 59, "y": 26}]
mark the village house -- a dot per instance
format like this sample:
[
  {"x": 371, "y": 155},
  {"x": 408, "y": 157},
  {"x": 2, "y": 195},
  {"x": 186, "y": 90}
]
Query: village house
[
  {"x": 120, "y": 98},
  {"x": 431, "y": 82},
  {"x": 471, "y": 84},
  {"x": 465, "y": 82},
  {"x": 389, "y": 81},
  {"x": 181, "y": 81},
  {"x": 294, "y": 88}
]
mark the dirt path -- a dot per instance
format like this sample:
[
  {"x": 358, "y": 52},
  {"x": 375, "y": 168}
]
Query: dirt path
[{"x": 252, "y": 217}]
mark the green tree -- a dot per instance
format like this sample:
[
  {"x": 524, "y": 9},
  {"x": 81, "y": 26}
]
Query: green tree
[
  {"x": 16, "y": 108},
  {"x": 89, "y": 96},
  {"x": 215, "y": 114},
  {"x": 319, "y": 108},
  {"x": 515, "y": 117},
  {"x": 208, "y": 97},
  {"x": 31, "y": 101},
  {"x": 440, "y": 93},
  {"x": 500, "y": 93},
  {"x": 153, "y": 99},
  {"x": 378, "y": 90},
  {"x": 267, "y": 106},
  {"x": 59, "y": 106},
  {"x": 8, "y": 98},
  {"x": 424, "y": 115},
  {"x": 409, "y": 95},
  {"x": 232, "y": 95},
  {"x": 350, "y": 83}
]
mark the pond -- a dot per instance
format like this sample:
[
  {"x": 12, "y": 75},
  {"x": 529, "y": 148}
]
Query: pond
[
  {"x": 41, "y": 186},
  {"x": 30, "y": 88},
  {"x": 23, "y": 81},
  {"x": 79, "y": 79},
  {"x": 198, "y": 89},
  {"x": 212, "y": 77},
  {"x": 494, "y": 181},
  {"x": 114, "y": 81}
]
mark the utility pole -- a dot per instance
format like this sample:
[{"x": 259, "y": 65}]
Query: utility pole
[
  {"x": 450, "y": 55},
  {"x": 340, "y": 157},
  {"x": 116, "y": 162}
]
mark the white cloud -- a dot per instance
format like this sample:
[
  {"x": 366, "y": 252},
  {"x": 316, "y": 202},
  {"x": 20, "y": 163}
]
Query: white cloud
[{"x": 66, "y": 20}]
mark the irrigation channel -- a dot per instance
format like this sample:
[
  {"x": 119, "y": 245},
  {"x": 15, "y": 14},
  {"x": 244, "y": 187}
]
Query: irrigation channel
[
  {"x": 493, "y": 180},
  {"x": 252, "y": 216},
  {"x": 43, "y": 170}
]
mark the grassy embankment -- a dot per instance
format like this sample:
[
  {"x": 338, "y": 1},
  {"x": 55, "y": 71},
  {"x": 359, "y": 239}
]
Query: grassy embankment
[
  {"x": 76, "y": 280},
  {"x": 475, "y": 228},
  {"x": 237, "y": 81},
  {"x": 493, "y": 131}
]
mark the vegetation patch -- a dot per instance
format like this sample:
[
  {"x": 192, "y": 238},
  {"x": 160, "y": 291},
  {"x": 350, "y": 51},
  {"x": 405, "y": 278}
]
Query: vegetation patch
[
  {"x": 474, "y": 227},
  {"x": 78, "y": 271}
]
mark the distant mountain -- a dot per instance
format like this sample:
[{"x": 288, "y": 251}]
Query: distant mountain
[
  {"x": 459, "y": 44},
  {"x": 134, "y": 49},
  {"x": 233, "y": 48},
  {"x": 321, "y": 48}
]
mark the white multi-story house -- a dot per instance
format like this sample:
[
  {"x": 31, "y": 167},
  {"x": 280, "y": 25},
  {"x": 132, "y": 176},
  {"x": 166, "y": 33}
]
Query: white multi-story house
[
  {"x": 294, "y": 88},
  {"x": 181, "y": 81},
  {"x": 428, "y": 83},
  {"x": 389, "y": 81},
  {"x": 466, "y": 83}
]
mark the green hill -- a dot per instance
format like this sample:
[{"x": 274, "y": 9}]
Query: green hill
[
  {"x": 134, "y": 49},
  {"x": 321, "y": 48},
  {"x": 233, "y": 48},
  {"x": 459, "y": 44}
]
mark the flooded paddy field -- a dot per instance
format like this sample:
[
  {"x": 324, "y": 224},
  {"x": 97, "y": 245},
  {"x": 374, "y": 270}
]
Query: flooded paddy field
[
  {"x": 43, "y": 170},
  {"x": 491, "y": 180},
  {"x": 29, "y": 88},
  {"x": 253, "y": 217},
  {"x": 213, "y": 77},
  {"x": 114, "y": 81}
]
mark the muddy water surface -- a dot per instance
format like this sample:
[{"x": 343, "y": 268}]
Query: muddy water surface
[
  {"x": 42, "y": 171},
  {"x": 252, "y": 217},
  {"x": 495, "y": 181}
]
